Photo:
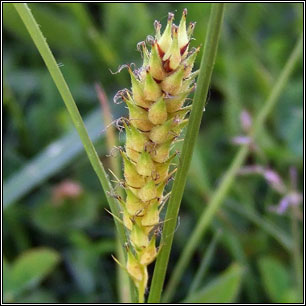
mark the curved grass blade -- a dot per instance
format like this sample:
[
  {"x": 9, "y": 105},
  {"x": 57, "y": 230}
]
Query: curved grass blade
[
  {"x": 207, "y": 64},
  {"x": 49, "y": 161},
  {"x": 266, "y": 225},
  {"x": 228, "y": 179},
  {"x": 44, "y": 50},
  {"x": 205, "y": 262},
  {"x": 223, "y": 289}
]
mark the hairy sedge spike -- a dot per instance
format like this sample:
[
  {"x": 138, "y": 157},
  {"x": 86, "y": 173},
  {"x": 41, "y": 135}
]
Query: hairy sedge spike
[{"x": 157, "y": 115}]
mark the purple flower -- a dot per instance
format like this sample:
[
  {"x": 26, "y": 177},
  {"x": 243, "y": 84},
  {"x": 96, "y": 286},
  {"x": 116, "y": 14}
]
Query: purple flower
[
  {"x": 291, "y": 199},
  {"x": 240, "y": 140},
  {"x": 246, "y": 124},
  {"x": 274, "y": 180},
  {"x": 246, "y": 121}
]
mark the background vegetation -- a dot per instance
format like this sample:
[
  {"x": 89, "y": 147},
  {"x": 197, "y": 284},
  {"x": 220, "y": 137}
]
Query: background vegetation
[{"x": 58, "y": 239}]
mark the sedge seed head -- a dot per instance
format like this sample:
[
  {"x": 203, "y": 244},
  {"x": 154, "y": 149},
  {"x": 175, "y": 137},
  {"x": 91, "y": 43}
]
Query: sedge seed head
[{"x": 159, "y": 89}]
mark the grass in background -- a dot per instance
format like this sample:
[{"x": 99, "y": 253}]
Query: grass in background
[{"x": 256, "y": 42}]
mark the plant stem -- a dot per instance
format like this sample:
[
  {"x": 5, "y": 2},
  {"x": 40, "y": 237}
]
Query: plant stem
[
  {"x": 204, "y": 220},
  {"x": 207, "y": 64},
  {"x": 219, "y": 195},
  {"x": 205, "y": 262},
  {"x": 44, "y": 50},
  {"x": 111, "y": 140},
  {"x": 100, "y": 45},
  {"x": 296, "y": 252},
  {"x": 267, "y": 226}
]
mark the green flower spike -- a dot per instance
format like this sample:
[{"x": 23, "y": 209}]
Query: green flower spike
[{"x": 157, "y": 115}]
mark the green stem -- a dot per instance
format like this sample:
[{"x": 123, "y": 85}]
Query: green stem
[
  {"x": 123, "y": 279},
  {"x": 16, "y": 114},
  {"x": 207, "y": 64},
  {"x": 44, "y": 50},
  {"x": 203, "y": 222},
  {"x": 126, "y": 288},
  {"x": 219, "y": 195},
  {"x": 296, "y": 252},
  {"x": 97, "y": 41},
  {"x": 205, "y": 262},
  {"x": 270, "y": 228},
  {"x": 141, "y": 293}
]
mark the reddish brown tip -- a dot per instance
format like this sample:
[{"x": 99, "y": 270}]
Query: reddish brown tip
[
  {"x": 170, "y": 16},
  {"x": 183, "y": 49},
  {"x": 160, "y": 51}
]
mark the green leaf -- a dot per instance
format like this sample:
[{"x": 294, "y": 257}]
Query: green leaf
[
  {"x": 57, "y": 155},
  {"x": 291, "y": 296},
  {"x": 30, "y": 268},
  {"x": 117, "y": 16},
  {"x": 38, "y": 297},
  {"x": 289, "y": 118},
  {"x": 205, "y": 73},
  {"x": 275, "y": 278},
  {"x": 263, "y": 223},
  {"x": 64, "y": 217},
  {"x": 62, "y": 86},
  {"x": 229, "y": 175},
  {"x": 12, "y": 22},
  {"x": 82, "y": 265},
  {"x": 223, "y": 289},
  {"x": 96, "y": 39},
  {"x": 61, "y": 33},
  {"x": 7, "y": 283}
]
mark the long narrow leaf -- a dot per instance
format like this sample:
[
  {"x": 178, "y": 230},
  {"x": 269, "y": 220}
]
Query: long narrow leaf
[
  {"x": 44, "y": 50},
  {"x": 229, "y": 176},
  {"x": 48, "y": 162},
  {"x": 205, "y": 262},
  {"x": 207, "y": 64},
  {"x": 223, "y": 289}
]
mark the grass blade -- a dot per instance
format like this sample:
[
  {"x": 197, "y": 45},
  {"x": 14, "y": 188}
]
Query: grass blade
[
  {"x": 228, "y": 179},
  {"x": 206, "y": 260},
  {"x": 49, "y": 161},
  {"x": 97, "y": 41},
  {"x": 44, "y": 50},
  {"x": 223, "y": 289},
  {"x": 207, "y": 63},
  {"x": 266, "y": 225},
  {"x": 112, "y": 141}
]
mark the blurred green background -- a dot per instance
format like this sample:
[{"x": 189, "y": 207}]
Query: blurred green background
[{"x": 57, "y": 237}]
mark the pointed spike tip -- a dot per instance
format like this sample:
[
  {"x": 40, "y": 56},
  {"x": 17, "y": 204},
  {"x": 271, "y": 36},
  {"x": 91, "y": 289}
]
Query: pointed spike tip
[
  {"x": 174, "y": 30},
  {"x": 170, "y": 17},
  {"x": 157, "y": 25}
]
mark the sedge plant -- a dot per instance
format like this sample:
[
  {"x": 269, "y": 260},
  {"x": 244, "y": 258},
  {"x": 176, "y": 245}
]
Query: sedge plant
[{"x": 157, "y": 115}]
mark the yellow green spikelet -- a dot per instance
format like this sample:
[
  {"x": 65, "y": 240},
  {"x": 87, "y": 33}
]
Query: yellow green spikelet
[{"x": 157, "y": 115}]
